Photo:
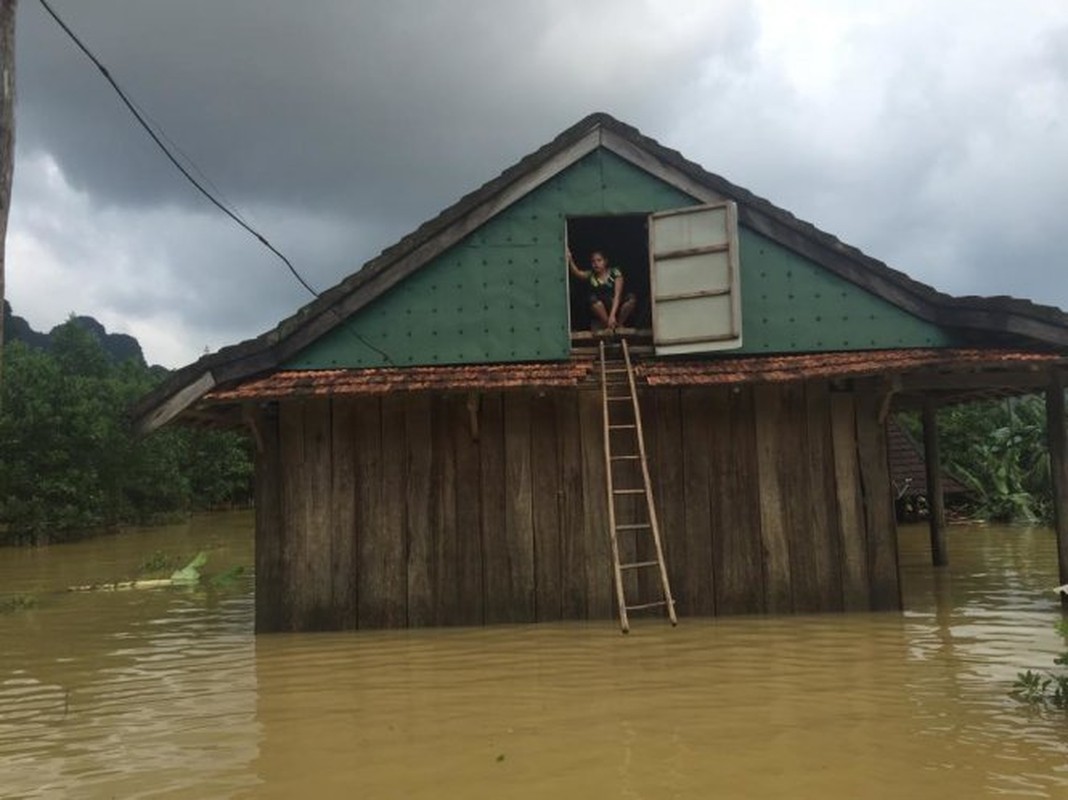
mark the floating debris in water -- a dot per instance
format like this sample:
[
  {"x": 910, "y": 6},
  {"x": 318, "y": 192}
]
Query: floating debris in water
[{"x": 189, "y": 575}]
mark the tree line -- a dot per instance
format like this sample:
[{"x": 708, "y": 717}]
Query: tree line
[{"x": 70, "y": 461}]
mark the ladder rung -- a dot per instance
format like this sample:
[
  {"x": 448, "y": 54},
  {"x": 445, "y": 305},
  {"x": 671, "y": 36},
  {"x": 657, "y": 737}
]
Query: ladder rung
[
  {"x": 614, "y": 370},
  {"x": 640, "y": 606},
  {"x": 628, "y": 491},
  {"x": 618, "y": 397},
  {"x": 621, "y": 427},
  {"x": 633, "y": 526},
  {"x": 639, "y": 564},
  {"x": 625, "y": 458}
]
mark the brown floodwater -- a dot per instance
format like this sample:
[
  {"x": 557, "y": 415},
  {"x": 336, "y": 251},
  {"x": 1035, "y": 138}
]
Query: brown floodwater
[{"x": 167, "y": 693}]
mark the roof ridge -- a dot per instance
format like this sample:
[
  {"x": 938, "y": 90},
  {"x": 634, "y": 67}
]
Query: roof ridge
[{"x": 265, "y": 351}]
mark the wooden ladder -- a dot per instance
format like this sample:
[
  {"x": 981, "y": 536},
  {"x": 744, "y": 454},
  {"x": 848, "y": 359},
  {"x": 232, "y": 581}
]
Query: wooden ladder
[{"x": 617, "y": 398}]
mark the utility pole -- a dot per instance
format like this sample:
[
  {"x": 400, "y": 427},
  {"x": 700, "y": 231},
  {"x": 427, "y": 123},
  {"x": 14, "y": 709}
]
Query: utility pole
[{"x": 7, "y": 139}]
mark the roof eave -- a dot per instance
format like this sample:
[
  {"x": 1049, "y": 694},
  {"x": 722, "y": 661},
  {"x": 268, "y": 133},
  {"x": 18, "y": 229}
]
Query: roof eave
[{"x": 435, "y": 236}]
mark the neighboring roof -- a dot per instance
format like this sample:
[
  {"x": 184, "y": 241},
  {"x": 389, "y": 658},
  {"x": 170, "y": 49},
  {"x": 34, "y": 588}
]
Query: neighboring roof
[
  {"x": 908, "y": 467},
  {"x": 1006, "y": 317}
]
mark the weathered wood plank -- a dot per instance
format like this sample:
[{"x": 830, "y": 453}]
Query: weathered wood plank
[
  {"x": 421, "y": 582},
  {"x": 380, "y": 580},
  {"x": 600, "y": 603},
  {"x": 574, "y": 549},
  {"x": 343, "y": 523},
  {"x": 696, "y": 448},
  {"x": 443, "y": 524},
  {"x": 268, "y": 522},
  {"x": 823, "y": 505},
  {"x": 796, "y": 483},
  {"x": 667, "y": 474},
  {"x": 516, "y": 587},
  {"x": 852, "y": 527},
  {"x": 731, "y": 563},
  {"x": 737, "y": 549},
  {"x": 935, "y": 494},
  {"x": 469, "y": 499},
  {"x": 317, "y": 553},
  {"x": 545, "y": 475},
  {"x": 494, "y": 514},
  {"x": 367, "y": 418},
  {"x": 392, "y": 545},
  {"x": 293, "y": 514},
  {"x": 648, "y": 580},
  {"x": 629, "y": 509},
  {"x": 878, "y": 503},
  {"x": 770, "y": 421}
]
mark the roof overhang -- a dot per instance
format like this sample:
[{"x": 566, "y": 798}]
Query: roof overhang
[{"x": 1005, "y": 317}]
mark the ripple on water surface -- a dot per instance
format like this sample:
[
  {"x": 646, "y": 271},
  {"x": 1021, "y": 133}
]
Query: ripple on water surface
[{"x": 168, "y": 693}]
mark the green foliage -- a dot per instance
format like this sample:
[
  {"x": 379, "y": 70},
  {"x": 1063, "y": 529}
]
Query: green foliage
[
  {"x": 189, "y": 575},
  {"x": 998, "y": 450},
  {"x": 1045, "y": 688},
  {"x": 157, "y": 563},
  {"x": 229, "y": 578},
  {"x": 71, "y": 462},
  {"x": 17, "y": 602}
]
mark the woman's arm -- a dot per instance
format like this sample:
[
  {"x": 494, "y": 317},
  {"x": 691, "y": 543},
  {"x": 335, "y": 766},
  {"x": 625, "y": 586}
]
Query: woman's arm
[
  {"x": 616, "y": 296},
  {"x": 581, "y": 274}
]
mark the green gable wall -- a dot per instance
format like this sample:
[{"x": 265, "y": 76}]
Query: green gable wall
[
  {"x": 500, "y": 294},
  {"x": 792, "y": 304}
]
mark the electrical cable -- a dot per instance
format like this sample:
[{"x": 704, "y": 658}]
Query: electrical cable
[{"x": 131, "y": 106}]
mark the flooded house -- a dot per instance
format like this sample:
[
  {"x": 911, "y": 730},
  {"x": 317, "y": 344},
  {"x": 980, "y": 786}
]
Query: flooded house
[{"x": 441, "y": 439}]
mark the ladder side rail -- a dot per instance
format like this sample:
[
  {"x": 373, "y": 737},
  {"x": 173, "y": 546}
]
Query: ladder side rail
[
  {"x": 653, "y": 521},
  {"x": 624, "y": 623}
]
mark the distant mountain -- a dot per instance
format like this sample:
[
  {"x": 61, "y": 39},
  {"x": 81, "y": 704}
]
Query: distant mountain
[
  {"x": 119, "y": 346},
  {"x": 16, "y": 329}
]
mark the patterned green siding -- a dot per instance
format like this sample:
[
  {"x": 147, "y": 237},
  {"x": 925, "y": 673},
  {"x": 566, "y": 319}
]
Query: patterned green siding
[
  {"x": 791, "y": 304},
  {"x": 501, "y": 293}
]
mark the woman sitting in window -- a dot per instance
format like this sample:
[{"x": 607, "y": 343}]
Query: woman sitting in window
[{"x": 611, "y": 308}]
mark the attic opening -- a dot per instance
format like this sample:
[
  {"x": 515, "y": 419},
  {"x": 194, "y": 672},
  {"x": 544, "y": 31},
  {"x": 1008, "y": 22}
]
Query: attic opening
[{"x": 624, "y": 241}]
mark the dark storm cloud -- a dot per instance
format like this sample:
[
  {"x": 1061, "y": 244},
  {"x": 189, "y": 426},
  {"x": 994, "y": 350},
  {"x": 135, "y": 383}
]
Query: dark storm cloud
[
  {"x": 378, "y": 108},
  {"x": 930, "y": 135}
]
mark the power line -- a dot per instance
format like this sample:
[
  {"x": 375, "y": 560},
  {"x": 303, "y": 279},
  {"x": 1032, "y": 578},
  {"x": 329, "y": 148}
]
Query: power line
[{"x": 189, "y": 177}]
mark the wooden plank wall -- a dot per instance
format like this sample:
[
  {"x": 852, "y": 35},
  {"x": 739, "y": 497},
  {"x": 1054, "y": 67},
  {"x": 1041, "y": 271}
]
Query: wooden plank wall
[{"x": 415, "y": 510}]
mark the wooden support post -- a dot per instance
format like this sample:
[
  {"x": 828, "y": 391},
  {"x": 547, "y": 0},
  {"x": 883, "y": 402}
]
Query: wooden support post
[
  {"x": 1058, "y": 453},
  {"x": 935, "y": 497},
  {"x": 7, "y": 134}
]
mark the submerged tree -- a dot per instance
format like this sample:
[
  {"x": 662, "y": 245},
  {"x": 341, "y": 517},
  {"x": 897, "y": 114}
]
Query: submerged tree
[
  {"x": 998, "y": 449},
  {"x": 71, "y": 461}
]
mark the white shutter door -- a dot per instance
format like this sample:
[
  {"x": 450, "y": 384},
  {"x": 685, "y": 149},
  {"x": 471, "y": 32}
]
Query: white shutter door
[{"x": 693, "y": 257}]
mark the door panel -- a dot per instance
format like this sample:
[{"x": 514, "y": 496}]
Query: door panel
[{"x": 693, "y": 255}]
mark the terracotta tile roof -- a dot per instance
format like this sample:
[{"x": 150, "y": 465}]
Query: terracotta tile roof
[
  {"x": 769, "y": 369},
  {"x": 340, "y": 382},
  {"x": 718, "y": 371}
]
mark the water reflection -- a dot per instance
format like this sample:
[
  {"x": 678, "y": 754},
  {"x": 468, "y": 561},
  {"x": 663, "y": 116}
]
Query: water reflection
[{"x": 169, "y": 694}]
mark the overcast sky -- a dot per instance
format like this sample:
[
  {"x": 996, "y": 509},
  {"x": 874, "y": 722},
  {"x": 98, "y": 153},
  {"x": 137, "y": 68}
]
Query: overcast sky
[{"x": 931, "y": 134}]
